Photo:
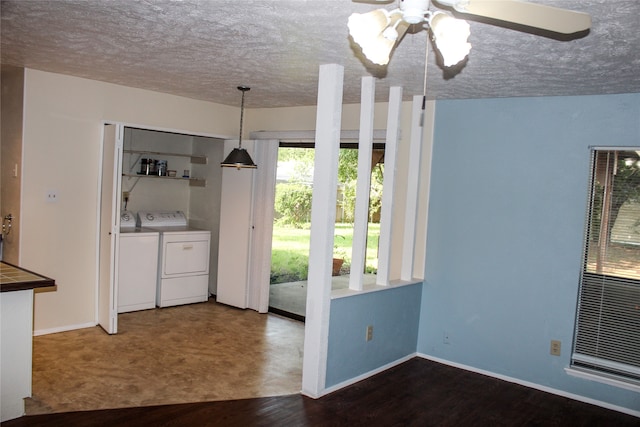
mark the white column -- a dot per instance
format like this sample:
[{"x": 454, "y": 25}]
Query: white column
[
  {"x": 323, "y": 215},
  {"x": 423, "y": 201},
  {"x": 413, "y": 180},
  {"x": 363, "y": 186},
  {"x": 386, "y": 210}
]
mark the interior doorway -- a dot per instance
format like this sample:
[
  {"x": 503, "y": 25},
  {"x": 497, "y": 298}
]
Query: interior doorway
[
  {"x": 132, "y": 192},
  {"x": 11, "y": 162}
]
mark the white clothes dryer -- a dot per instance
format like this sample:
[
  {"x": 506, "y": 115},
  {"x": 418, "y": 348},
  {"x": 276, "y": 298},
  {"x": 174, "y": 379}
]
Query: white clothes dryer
[{"x": 183, "y": 259}]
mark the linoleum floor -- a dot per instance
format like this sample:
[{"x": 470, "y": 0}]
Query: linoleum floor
[{"x": 192, "y": 353}]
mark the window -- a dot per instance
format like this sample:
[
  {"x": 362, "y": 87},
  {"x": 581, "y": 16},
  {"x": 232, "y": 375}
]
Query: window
[{"x": 607, "y": 337}]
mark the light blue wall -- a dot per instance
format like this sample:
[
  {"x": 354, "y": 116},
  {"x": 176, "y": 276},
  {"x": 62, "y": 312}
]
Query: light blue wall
[
  {"x": 394, "y": 315},
  {"x": 506, "y": 218}
]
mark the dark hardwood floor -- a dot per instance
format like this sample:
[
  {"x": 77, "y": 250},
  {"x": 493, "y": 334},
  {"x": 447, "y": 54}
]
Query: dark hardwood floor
[{"x": 416, "y": 393}]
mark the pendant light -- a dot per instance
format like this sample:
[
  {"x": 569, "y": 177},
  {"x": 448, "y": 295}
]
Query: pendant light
[{"x": 239, "y": 157}]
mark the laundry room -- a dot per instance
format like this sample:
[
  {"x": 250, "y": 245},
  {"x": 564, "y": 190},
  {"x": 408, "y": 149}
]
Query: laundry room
[{"x": 170, "y": 193}]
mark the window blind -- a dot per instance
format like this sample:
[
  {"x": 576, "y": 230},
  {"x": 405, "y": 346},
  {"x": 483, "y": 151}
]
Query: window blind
[{"x": 607, "y": 337}]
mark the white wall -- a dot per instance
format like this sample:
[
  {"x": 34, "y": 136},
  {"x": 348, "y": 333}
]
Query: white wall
[{"x": 61, "y": 151}]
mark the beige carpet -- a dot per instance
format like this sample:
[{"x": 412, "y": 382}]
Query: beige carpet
[{"x": 192, "y": 353}]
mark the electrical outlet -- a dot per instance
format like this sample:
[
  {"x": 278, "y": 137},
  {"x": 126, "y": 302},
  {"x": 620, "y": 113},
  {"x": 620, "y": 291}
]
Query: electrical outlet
[
  {"x": 556, "y": 347},
  {"x": 125, "y": 195},
  {"x": 445, "y": 337},
  {"x": 52, "y": 196},
  {"x": 369, "y": 335}
]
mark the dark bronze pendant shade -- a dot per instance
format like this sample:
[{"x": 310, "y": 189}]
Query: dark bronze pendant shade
[{"x": 239, "y": 157}]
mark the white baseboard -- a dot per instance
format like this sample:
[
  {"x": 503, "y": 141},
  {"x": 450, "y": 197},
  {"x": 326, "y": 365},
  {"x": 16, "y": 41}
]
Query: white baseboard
[
  {"x": 62, "y": 329},
  {"x": 360, "y": 377},
  {"x": 533, "y": 385}
]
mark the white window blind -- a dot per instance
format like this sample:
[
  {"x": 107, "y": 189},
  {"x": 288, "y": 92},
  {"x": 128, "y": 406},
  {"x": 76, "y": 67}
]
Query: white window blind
[{"x": 607, "y": 337}]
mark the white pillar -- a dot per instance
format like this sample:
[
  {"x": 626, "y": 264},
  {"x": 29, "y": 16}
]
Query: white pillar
[
  {"x": 413, "y": 180},
  {"x": 363, "y": 186},
  {"x": 386, "y": 210},
  {"x": 323, "y": 215},
  {"x": 424, "y": 186}
]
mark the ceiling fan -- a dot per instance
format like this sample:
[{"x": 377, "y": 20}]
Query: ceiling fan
[{"x": 377, "y": 32}]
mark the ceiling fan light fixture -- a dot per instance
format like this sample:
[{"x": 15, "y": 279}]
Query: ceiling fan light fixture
[
  {"x": 379, "y": 50},
  {"x": 390, "y": 33},
  {"x": 370, "y": 32},
  {"x": 413, "y": 11},
  {"x": 450, "y": 36},
  {"x": 365, "y": 26},
  {"x": 239, "y": 157}
]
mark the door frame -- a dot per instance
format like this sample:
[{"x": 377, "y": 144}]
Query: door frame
[
  {"x": 123, "y": 125},
  {"x": 109, "y": 225}
]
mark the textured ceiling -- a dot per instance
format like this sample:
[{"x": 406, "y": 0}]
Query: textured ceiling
[{"x": 203, "y": 49}]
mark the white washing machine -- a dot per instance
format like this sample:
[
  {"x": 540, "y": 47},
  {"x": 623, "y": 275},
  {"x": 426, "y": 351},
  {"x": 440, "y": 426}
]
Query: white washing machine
[
  {"x": 183, "y": 259},
  {"x": 137, "y": 265}
]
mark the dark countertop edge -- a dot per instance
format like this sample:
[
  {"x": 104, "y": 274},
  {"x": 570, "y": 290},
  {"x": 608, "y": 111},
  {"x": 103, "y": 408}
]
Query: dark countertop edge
[
  {"x": 46, "y": 282},
  {"x": 25, "y": 286}
]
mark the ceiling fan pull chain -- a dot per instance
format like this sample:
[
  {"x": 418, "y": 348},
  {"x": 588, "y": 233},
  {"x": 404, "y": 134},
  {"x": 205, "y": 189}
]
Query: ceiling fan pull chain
[{"x": 424, "y": 87}]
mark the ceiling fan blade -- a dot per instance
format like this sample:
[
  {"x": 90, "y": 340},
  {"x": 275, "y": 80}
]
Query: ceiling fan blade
[{"x": 535, "y": 15}]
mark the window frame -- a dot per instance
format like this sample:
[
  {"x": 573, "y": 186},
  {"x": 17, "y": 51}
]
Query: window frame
[{"x": 605, "y": 365}]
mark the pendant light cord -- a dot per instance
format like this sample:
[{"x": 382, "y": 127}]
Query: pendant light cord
[
  {"x": 239, "y": 157},
  {"x": 241, "y": 115}
]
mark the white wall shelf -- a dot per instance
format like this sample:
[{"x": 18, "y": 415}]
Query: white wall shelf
[
  {"x": 193, "y": 182},
  {"x": 200, "y": 160},
  {"x": 194, "y": 159}
]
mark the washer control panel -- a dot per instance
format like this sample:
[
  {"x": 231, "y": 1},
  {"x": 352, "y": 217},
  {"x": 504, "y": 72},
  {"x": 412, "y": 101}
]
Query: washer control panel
[
  {"x": 162, "y": 219},
  {"x": 127, "y": 220}
]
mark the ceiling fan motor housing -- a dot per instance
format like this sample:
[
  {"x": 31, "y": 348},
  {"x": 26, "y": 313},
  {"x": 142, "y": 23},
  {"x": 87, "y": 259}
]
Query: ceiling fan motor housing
[{"x": 413, "y": 11}]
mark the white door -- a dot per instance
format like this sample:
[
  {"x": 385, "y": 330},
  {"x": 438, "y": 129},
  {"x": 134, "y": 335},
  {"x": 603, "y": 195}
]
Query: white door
[
  {"x": 246, "y": 221},
  {"x": 109, "y": 228},
  {"x": 264, "y": 193},
  {"x": 235, "y": 230}
]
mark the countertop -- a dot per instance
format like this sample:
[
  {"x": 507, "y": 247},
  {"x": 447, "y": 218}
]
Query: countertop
[{"x": 14, "y": 278}]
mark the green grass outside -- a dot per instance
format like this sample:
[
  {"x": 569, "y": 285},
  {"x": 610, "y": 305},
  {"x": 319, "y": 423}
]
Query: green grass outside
[{"x": 290, "y": 250}]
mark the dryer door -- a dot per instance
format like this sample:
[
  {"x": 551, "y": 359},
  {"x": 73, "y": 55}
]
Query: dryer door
[{"x": 185, "y": 255}]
